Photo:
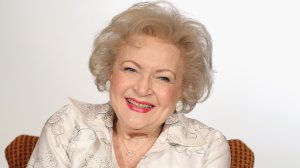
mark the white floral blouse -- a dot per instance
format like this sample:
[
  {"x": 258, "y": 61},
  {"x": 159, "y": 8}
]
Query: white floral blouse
[{"x": 80, "y": 135}]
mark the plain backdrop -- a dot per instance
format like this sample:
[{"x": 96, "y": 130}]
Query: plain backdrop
[{"x": 45, "y": 47}]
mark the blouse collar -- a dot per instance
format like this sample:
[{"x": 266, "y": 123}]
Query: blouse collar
[{"x": 178, "y": 129}]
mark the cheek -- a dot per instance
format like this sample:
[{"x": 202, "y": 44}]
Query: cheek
[
  {"x": 118, "y": 83},
  {"x": 168, "y": 96}
]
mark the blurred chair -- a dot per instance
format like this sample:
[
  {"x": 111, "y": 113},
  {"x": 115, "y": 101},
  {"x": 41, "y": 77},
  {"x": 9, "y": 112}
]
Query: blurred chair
[
  {"x": 18, "y": 152},
  {"x": 241, "y": 155}
]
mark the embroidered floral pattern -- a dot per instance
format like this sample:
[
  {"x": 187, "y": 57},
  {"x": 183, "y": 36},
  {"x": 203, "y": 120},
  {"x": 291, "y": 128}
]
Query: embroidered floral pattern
[
  {"x": 47, "y": 160},
  {"x": 91, "y": 139}
]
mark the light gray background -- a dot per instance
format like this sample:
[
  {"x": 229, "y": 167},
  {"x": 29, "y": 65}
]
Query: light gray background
[{"x": 45, "y": 47}]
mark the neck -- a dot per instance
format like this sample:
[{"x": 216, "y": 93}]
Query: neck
[
  {"x": 131, "y": 145},
  {"x": 130, "y": 134}
]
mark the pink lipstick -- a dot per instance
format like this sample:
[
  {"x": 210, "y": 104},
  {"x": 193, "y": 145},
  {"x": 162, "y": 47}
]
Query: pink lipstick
[{"x": 139, "y": 106}]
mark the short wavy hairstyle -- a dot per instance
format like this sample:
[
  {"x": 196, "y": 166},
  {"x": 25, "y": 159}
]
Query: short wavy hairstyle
[{"x": 162, "y": 20}]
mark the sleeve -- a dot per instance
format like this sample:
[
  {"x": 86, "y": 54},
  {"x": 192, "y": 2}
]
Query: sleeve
[
  {"x": 51, "y": 149},
  {"x": 218, "y": 152}
]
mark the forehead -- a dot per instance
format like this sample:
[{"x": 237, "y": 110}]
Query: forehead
[{"x": 152, "y": 51}]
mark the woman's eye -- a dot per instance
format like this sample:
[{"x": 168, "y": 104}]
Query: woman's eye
[
  {"x": 129, "y": 69},
  {"x": 163, "y": 78}
]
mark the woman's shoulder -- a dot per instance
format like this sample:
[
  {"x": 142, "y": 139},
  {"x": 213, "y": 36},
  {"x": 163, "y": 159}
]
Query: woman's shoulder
[
  {"x": 196, "y": 133},
  {"x": 77, "y": 117},
  {"x": 216, "y": 145},
  {"x": 204, "y": 129},
  {"x": 89, "y": 111},
  {"x": 77, "y": 112}
]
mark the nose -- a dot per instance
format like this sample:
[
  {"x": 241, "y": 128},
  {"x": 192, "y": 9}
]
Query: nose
[{"x": 143, "y": 86}]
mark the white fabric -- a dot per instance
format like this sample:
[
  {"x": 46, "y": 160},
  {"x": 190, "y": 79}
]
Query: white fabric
[{"x": 80, "y": 135}]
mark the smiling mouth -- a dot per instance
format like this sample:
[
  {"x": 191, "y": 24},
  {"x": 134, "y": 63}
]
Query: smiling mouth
[{"x": 138, "y": 106}]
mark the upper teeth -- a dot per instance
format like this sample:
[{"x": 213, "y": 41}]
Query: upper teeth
[{"x": 138, "y": 104}]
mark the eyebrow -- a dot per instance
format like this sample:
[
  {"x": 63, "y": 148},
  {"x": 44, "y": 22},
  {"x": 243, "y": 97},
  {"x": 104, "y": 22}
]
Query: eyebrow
[
  {"x": 135, "y": 63},
  {"x": 139, "y": 66}
]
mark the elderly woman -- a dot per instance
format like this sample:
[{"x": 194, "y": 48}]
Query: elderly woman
[{"x": 156, "y": 65}]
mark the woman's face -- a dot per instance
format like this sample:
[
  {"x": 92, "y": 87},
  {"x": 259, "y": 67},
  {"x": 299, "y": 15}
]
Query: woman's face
[{"x": 146, "y": 83}]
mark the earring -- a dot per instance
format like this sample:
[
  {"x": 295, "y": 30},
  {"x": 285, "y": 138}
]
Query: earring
[
  {"x": 186, "y": 107},
  {"x": 179, "y": 106},
  {"x": 107, "y": 85}
]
